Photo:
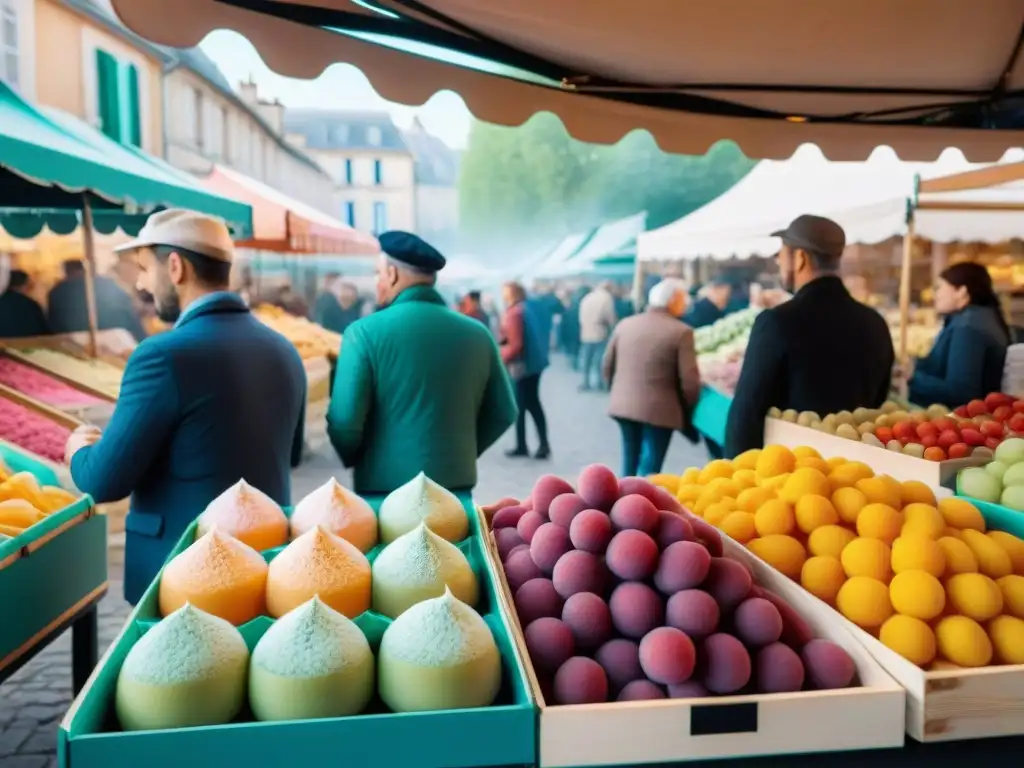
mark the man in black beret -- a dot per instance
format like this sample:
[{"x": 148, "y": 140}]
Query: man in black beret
[{"x": 419, "y": 387}]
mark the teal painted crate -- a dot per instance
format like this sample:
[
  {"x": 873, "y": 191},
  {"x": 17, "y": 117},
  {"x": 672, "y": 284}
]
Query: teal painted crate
[
  {"x": 712, "y": 414},
  {"x": 49, "y": 572},
  {"x": 503, "y": 734}
]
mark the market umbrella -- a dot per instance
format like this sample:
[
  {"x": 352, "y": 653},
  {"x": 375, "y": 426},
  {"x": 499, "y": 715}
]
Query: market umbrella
[{"x": 918, "y": 76}]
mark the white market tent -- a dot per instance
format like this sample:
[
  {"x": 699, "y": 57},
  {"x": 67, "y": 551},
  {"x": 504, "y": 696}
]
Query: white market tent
[
  {"x": 564, "y": 251},
  {"x": 868, "y": 198},
  {"x": 609, "y": 238}
]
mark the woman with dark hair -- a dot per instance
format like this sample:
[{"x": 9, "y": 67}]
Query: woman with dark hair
[
  {"x": 966, "y": 361},
  {"x": 525, "y": 331}
]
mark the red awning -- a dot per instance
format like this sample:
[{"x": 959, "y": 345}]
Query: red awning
[{"x": 286, "y": 225}]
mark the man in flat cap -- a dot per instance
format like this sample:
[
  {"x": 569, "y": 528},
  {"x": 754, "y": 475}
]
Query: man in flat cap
[
  {"x": 821, "y": 351},
  {"x": 418, "y": 386},
  {"x": 217, "y": 399}
]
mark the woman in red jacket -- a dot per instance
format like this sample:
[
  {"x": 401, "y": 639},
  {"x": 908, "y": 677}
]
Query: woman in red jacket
[{"x": 524, "y": 368}]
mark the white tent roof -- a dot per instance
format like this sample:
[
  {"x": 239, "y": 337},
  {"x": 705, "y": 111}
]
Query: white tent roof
[
  {"x": 868, "y": 199},
  {"x": 564, "y": 251},
  {"x": 609, "y": 238}
]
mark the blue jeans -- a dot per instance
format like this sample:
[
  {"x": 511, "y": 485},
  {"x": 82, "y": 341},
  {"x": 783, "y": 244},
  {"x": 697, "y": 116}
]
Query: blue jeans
[
  {"x": 592, "y": 353},
  {"x": 643, "y": 447}
]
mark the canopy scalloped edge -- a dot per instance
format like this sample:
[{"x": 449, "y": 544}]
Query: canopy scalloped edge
[
  {"x": 25, "y": 225},
  {"x": 294, "y": 50}
]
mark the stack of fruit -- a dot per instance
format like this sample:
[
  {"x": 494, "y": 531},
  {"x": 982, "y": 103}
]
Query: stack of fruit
[
  {"x": 998, "y": 408},
  {"x": 32, "y": 431},
  {"x": 922, "y": 575},
  {"x": 931, "y": 433},
  {"x": 922, "y": 328},
  {"x": 721, "y": 368},
  {"x": 624, "y": 595},
  {"x": 1001, "y": 481},
  {"x": 725, "y": 331},
  {"x": 23, "y": 502},
  {"x": 309, "y": 338}
]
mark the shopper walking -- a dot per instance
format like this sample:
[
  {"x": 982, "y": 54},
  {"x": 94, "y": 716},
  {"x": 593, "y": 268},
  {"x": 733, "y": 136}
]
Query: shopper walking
[
  {"x": 20, "y": 314},
  {"x": 652, "y": 366},
  {"x": 418, "y": 387},
  {"x": 218, "y": 398},
  {"x": 525, "y": 329},
  {"x": 597, "y": 319}
]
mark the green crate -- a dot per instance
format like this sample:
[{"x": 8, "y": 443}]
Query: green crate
[
  {"x": 503, "y": 734},
  {"x": 711, "y": 414},
  {"x": 50, "y": 572},
  {"x": 1000, "y": 518}
]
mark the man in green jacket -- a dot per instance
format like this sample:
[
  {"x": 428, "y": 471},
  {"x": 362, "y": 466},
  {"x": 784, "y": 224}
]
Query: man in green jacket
[{"x": 419, "y": 387}]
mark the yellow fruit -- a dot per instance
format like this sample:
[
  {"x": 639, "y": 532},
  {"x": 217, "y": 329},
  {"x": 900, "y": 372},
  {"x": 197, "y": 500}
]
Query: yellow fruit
[
  {"x": 813, "y": 512},
  {"x": 56, "y": 498},
  {"x": 745, "y": 478},
  {"x": 669, "y": 482},
  {"x": 1012, "y": 588},
  {"x": 992, "y": 559},
  {"x": 911, "y": 638},
  {"x": 804, "y": 482},
  {"x": 775, "y": 460},
  {"x": 747, "y": 459},
  {"x": 19, "y": 513},
  {"x": 715, "y": 469},
  {"x": 848, "y": 474},
  {"x": 773, "y": 483},
  {"x": 751, "y": 499},
  {"x": 953, "y": 533},
  {"x": 1013, "y": 546},
  {"x": 848, "y": 503},
  {"x": 784, "y": 553},
  {"x": 23, "y": 486},
  {"x": 918, "y": 553},
  {"x": 812, "y": 463},
  {"x": 961, "y": 514},
  {"x": 739, "y": 526},
  {"x": 864, "y": 601},
  {"x": 823, "y": 576},
  {"x": 917, "y": 594},
  {"x": 1007, "y": 636},
  {"x": 11, "y": 530},
  {"x": 975, "y": 596},
  {"x": 916, "y": 492},
  {"x": 717, "y": 512},
  {"x": 829, "y": 540},
  {"x": 867, "y": 557},
  {"x": 923, "y": 519},
  {"x": 880, "y": 490},
  {"x": 691, "y": 475},
  {"x": 687, "y": 494},
  {"x": 959, "y": 558},
  {"x": 879, "y": 521},
  {"x": 963, "y": 641},
  {"x": 835, "y": 461},
  {"x": 775, "y": 516},
  {"x": 806, "y": 452}
]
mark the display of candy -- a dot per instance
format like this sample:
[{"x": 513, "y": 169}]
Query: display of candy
[
  {"x": 32, "y": 431},
  {"x": 97, "y": 374},
  {"x": 39, "y": 386}
]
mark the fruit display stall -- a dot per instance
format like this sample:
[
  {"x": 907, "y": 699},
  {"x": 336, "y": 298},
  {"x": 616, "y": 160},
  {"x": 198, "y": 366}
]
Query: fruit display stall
[
  {"x": 53, "y": 565},
  {"x": 342, "y": 626}
]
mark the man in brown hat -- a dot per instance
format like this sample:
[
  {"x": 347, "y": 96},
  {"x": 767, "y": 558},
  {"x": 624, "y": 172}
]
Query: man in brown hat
[
  {"x": 822, "y": 351},
  {"x": 217, "y": 399}
]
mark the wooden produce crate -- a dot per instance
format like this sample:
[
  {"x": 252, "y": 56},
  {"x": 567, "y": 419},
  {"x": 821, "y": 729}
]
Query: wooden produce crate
[
  {"x": 70, "y": 349},
  {"x": 869, "y": 716},
  {"x": 503, "y": 734},
  {"x": 897, "y": 465},
  {"x": 98, "y": 413}
]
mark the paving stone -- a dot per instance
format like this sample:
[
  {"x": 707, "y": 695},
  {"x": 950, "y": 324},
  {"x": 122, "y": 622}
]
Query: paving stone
[
  {"x": 13, "y": 737},
  {"x": 28, "y": 761}
]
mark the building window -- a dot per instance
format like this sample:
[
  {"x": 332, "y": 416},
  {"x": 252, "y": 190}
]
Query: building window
[
  {"x": 340, "y": 134},
  {"x": 373, "y": 136},
  {"x": 198, "y": 128},
  {"x": 117, "y": 91},
  {"x": 350, "y": 213},
  {"x": 378, "y": 172},
  {"x": 380, "y": 217},
  {"x": 349, "y": 175},
  {"x": 9, "y": 44}
]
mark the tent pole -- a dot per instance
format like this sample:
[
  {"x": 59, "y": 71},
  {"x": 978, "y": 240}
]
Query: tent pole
[
  {"x": 638, "y": 285},
  {"x": 89, "y": 244},
  {"x": 908, "y": 250}
]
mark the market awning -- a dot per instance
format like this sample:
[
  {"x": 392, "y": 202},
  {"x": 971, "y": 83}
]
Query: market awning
[
  {"x": 284, "y": 224},
  {"x": 564, "y": 251},
  {"x": 917, "y": 76},
  {"x": 608, "y": 239},
  {"x": 49, "y": 160}
]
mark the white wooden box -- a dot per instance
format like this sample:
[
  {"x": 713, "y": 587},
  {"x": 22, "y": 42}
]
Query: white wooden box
[
  {"x": 680, "y": 730},
  {"x": 896, "y": 465}
]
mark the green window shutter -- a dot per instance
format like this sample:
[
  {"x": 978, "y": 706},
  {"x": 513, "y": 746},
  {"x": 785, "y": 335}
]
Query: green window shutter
[
  {"x": 133, "y": 124},
  {"x": 109, "y": 109}
]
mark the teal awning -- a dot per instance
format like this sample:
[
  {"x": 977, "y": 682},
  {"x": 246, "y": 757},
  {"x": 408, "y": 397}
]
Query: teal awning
[{"x": 50, "y": 162}]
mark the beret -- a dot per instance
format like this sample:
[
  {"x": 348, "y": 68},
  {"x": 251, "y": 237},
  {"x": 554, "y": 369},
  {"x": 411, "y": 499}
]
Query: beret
[{"x": 412, "y": 250}]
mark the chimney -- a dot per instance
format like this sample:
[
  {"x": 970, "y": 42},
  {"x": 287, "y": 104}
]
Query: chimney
[
  {"x": 273, "y": 113},
  {"x": 248, "y": 94}
]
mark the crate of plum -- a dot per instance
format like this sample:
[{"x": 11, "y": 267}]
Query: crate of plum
[
  {"x": 634, "y": 616},
  {"x": 34, "y": 427},
  {"x": 341, "y": 630},
  {"x": 55, "y": 391}
]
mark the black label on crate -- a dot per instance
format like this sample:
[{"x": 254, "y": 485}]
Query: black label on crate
[{"x": 712, "y": 719}]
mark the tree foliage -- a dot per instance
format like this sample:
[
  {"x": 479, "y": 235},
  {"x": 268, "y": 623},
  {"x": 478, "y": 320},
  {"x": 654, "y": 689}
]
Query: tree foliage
[{"x": 522, "y": 188}]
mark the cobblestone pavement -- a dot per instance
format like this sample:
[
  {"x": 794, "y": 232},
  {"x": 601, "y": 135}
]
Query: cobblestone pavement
[{"x": 33, "y": 702}]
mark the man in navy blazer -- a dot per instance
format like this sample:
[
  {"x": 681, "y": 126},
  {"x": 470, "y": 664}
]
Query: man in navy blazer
[{"x": 218, "y": 398}]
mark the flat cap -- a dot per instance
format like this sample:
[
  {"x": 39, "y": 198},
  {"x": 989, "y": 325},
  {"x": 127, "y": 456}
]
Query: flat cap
[
  {"x": 411, "y": 250},
  {"x": 814, "y": 233}
]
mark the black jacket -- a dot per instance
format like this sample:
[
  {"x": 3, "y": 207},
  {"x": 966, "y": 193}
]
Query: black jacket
[
  {"x": 703, "y": 312},
  {"x": 21, "y": 316},
  {"x": 966, "y": 361},
  {"x": 821, "y": 351}
]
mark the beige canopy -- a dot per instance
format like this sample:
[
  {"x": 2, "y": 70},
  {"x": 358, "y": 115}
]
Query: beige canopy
[{"x": 768, "y": 74}]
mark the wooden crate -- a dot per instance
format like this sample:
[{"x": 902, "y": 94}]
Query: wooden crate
[
  {"x": 896, "y": 465},
  {"x": 682, "y": 730},
  {"x": 71, "y": 350}
]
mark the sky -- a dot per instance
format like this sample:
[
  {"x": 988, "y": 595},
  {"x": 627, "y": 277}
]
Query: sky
[{"x": 340, "y": 87}]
